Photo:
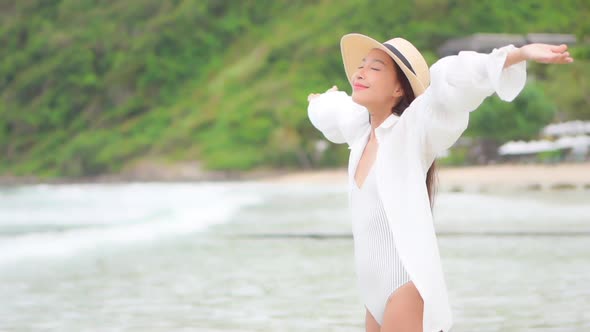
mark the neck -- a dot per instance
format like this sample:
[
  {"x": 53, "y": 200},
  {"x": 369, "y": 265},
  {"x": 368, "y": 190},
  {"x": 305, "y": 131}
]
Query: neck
[{"x": 377, "y": 117}]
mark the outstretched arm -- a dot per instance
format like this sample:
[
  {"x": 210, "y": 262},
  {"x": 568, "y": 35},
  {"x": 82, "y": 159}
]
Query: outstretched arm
[
  {"x": 336, "y": 115},
  {"x": 460, "y": 83}
]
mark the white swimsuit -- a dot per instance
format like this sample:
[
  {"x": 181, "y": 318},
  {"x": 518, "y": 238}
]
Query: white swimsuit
[{"x": 378, "y": 267}]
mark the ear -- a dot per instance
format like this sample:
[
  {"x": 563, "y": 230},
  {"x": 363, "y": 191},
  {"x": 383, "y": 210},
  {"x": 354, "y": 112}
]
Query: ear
[{"x": 398, "y": 92}]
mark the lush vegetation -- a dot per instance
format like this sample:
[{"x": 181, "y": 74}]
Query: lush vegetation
[{"x": 88, "y": 87}]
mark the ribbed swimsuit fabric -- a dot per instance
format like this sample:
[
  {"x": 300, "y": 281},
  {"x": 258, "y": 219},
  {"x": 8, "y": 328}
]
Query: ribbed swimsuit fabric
[{"x": 378, "y": 267}]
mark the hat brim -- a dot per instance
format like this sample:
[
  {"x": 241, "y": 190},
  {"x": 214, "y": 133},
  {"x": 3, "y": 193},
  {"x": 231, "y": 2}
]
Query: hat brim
[{"x": 355, "y": 47}]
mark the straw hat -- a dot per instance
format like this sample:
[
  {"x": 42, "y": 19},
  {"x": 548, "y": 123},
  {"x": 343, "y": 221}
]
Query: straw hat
[{"x": 355, "y": 47}]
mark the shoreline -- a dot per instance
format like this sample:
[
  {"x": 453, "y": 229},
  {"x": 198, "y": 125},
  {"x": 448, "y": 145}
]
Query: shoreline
[
  {"x": 499, "y": 177},
  {"x": 564, "y": 176}
]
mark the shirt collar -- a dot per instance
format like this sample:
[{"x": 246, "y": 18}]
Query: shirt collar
[{"x": 390, "y": 121}]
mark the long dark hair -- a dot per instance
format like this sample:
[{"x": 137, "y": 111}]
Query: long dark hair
[{"x": 399, "y": 109}]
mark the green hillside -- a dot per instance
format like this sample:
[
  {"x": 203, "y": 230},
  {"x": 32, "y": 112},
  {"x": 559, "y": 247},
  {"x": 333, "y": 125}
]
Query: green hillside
[{"x": 90, "y": 87}]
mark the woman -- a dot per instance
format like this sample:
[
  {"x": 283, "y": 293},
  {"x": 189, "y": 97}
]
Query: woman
[{"x": 400, "y": 116}]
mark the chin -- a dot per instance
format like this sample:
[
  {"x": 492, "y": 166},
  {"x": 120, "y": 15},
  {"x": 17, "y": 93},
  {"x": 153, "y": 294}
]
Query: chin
[{"x": 358, "y": 100}]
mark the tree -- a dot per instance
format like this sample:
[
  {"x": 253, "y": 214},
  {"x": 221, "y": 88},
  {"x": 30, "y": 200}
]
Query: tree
[{"x": 496, "y": 121}]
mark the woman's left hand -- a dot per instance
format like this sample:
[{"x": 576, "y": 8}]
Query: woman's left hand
[
  {"x": 545, "y": 53},
  {"x": 542, "y": 53}
]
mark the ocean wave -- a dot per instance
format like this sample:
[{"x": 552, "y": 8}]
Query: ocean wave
[{"x": 46, "y": 221}]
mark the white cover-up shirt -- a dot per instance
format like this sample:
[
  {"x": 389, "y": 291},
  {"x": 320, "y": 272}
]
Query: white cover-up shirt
[{"x": 408, "y": 144}]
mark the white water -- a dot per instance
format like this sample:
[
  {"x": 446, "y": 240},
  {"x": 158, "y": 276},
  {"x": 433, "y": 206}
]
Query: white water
[{"x": 64, "y": 220}]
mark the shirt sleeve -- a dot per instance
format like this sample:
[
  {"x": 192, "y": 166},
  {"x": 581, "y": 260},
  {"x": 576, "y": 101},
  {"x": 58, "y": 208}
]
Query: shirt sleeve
[
  {"x": 459, "y": 84},
  {"x": 337, "y": 116}
]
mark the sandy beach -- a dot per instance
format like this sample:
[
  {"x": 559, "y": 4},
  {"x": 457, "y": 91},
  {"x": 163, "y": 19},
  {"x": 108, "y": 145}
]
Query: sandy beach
[
  {"x": 504, "y": 177},
  {"x": 566, "y": 176}
]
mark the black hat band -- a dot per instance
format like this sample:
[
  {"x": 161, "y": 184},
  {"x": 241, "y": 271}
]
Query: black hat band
[{"x": 400, "y": 56}]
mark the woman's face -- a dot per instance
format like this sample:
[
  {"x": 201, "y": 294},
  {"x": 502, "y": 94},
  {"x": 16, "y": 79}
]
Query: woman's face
[{"x": 375, "y": 83}]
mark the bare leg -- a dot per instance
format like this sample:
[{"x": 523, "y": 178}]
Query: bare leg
[
  {"x": 371, "y": 324},
  {"x": 404, "y": 310}
]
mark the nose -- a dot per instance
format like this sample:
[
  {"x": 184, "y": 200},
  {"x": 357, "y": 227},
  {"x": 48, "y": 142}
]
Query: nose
[{"x": 358, "y": 74}]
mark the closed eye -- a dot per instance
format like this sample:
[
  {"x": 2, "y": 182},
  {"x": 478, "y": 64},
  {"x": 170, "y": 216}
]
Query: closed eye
[{"x": 372, "y": 68}]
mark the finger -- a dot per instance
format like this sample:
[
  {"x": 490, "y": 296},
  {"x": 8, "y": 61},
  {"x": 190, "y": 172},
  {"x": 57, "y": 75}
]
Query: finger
[
  {"x": 333, "y": 88},
  {"x": 556, "y": 59},
  {"x": 567, "y": 59},
  {"x": 561, "y": 59},
  {"x": 561, "y": 55},
  {"x": 559, "y": 48},
  {"x": 565, "y": 56}
]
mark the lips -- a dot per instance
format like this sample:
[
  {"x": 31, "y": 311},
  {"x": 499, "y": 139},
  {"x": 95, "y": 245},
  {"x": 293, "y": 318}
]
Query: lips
[{"x": 358, "y": 86}]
